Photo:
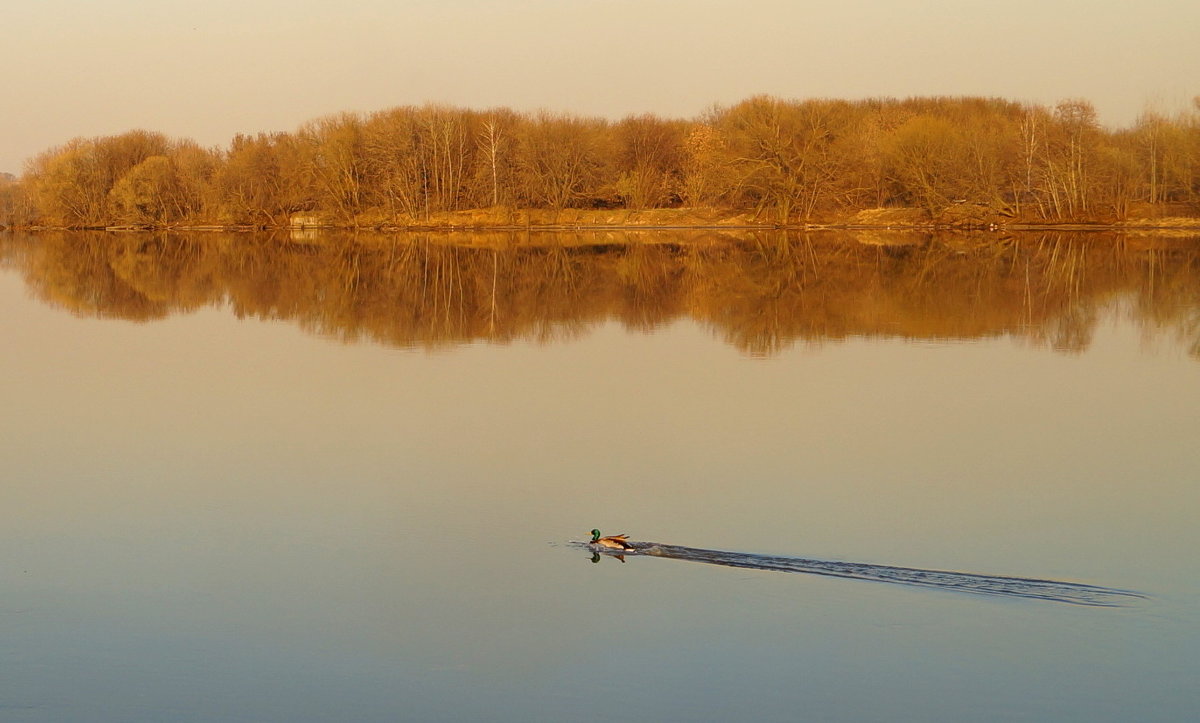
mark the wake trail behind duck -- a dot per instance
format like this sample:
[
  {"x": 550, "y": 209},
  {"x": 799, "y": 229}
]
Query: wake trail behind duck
[{"x": 1030, "y": 588}]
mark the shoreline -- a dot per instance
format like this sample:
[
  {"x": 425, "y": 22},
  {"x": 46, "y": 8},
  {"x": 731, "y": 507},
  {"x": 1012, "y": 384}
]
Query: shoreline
[
  {"x": 1190, "y": 225},
  {"x": 958, "y": 218}
]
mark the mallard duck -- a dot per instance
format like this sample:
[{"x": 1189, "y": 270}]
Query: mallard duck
[{"x": 616, "y": 542}]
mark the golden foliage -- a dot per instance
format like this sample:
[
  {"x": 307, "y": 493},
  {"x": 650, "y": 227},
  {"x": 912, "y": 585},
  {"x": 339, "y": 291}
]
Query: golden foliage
[{"x": 781, "y": 161}]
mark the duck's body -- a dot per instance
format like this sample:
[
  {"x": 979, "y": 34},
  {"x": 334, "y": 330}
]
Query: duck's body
[{"x": 613, "y": 542}]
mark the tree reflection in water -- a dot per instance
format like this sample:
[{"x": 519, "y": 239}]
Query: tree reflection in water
[{"x": 762, "y": 292}]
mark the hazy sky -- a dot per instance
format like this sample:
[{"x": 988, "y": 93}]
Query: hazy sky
[{"x": 212, "y": 68}]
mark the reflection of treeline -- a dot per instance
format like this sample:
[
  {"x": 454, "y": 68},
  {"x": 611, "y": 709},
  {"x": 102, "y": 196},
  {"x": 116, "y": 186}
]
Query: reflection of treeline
[
  {"x": 761, "y": 293},
  {"x": 784, "y": 161}
]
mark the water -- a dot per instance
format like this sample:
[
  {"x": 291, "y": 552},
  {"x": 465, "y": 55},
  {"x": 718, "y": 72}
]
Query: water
[{"x": 348, "y": 480}]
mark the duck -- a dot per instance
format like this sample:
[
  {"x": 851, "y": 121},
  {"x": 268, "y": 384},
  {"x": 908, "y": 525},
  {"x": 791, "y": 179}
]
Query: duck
[{"x": 615, "y": 542}]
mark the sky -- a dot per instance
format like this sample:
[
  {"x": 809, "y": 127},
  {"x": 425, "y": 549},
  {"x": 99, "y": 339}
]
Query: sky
[{"x": 208, "y": 70}]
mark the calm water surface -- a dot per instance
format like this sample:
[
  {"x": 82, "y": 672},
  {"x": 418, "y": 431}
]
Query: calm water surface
[{"x": 253, "y": 479}]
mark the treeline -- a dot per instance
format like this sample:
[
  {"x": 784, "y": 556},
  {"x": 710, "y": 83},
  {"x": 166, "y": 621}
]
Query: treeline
[
  {"x": 761, "y": 292},
  {"x": 783, "y": 161}
]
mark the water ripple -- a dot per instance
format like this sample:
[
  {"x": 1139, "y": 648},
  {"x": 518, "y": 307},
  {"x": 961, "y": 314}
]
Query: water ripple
[{"x": 1023, "y": 587}]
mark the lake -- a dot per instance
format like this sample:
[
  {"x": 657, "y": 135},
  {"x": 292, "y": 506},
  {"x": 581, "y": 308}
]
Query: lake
[{"x": 347, "y": 477}]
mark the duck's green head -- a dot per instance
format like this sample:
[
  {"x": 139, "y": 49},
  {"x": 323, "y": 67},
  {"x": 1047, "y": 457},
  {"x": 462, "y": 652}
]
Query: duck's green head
[{"x": 595, "y": 535}]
